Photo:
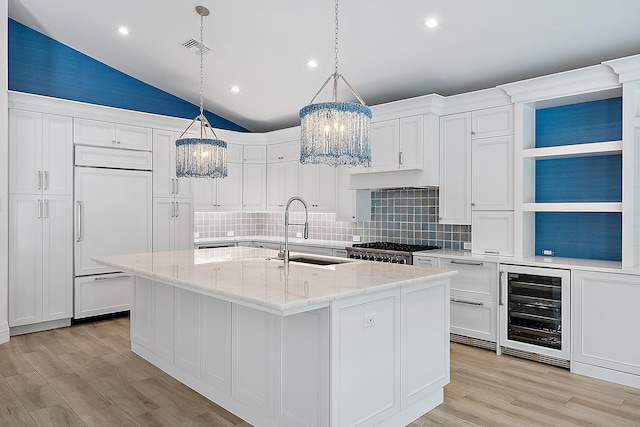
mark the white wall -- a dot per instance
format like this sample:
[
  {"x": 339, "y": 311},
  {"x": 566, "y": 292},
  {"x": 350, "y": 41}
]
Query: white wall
[{"x": 4, "y": 176}]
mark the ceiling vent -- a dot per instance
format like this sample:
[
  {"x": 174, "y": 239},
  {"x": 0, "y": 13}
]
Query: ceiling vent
[{"x": 195, "y": 46}]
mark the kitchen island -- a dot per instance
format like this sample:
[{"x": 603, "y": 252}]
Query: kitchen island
[{"x": 323, "y": 342}]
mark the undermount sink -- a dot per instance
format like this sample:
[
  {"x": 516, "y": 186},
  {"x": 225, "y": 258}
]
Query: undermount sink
[{"x": 317, "y": 261}]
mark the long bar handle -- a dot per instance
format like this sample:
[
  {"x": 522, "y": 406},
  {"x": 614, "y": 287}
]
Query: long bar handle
[
  {"x": 400, "y": 158},
  {"x": 500, "y": 285},
  {"x": 173, "y": 209},
  {"x": 39, "y": 180},
  {"x": 79, "y": 222},
  {"x": 177, "y": 186},
  {"x": 477, "y": 264},
  {"x": 461, "y": 301},
  {"x": 46, "y": 180},
  {"x": 46, "y": 208},
  {"x": 112, "y": 277},
  {"x": 177, "y": 209},
  {"x": 39, "y": 208}
]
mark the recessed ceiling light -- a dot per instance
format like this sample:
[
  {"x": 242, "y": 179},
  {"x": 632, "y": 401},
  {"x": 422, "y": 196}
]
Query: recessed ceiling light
[
  {"x": 312, "y": 64},
  {"x": 431, "y": 23},
  {"x": 124, "y": 31},
  {"x": 235, "y": 89}
]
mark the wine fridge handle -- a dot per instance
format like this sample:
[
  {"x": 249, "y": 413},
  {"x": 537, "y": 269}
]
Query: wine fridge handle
[{"x": 500, "y": 288}]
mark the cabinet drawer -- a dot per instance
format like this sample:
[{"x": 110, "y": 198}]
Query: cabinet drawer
[
  {"x": 108, "y": 158},
  {"x": 104, "y": 294},
  {"x": 425, "y": 261},
  {"x": 475, "y": 279},
  {"x": 473, "y": 318}
]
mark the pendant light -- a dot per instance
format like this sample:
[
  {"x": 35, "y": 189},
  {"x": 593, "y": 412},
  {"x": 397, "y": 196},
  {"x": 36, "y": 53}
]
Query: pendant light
[
  {"x": 201, "y": 157},
  {"x": 335, "y": 133}
]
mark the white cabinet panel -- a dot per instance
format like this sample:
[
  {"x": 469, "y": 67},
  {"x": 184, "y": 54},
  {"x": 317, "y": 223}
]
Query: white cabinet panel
[
  {"x": 492, "y": 172},
  {"x": 254, "y": 193},
  {"x": 113, "y": 215},
  {"x": 455, "y": 169},
  {"x": 411, "y": 148},
  {"x": 106, "y": 134},
  {"x": 103, "y": 294},
  {"x": 183, "y": 227},
  {"x": 492, "y": 233},
  {"x": 165, "y": 182},
  {"x": 188, "y": 321},
  {"x": 318, "y": 187},
  {"x": 385, "y": 145},
  {"x": 477, "y": 280},
  {"x": 475, "y": 319},
  {"x": 425, "y": 261},
  {"x": 216, "y": 343},
  {"x": 605, "y": 322},
  {"x": 229, "y": 189},
  {"x": 282, "y": 183},
  {"x": 152, "y": 321},
  {"x": 254, "y": 154},
  {"x": 283, "y": 152},
  {"x": 491, "y": 122},
  {"x": 172, "y": 224}
]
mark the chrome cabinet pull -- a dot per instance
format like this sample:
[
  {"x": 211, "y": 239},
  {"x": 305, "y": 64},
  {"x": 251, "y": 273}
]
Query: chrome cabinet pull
[
  {"x": 177, "y": 209},
  {"x": 46, "y": 180},
  {"x": 39, "y": 180},
  {"x": 461, "y": 301},
  {"x": 173, "y": 209},
  {"x": 177, "y": 186},
  {"x": 46, "y": 208},
  {"x": 79, "y": 222},
  {"x": 492, "y": 252},
  {"x": 400, "y": 157},
  {"x": 100, "y": 278},
  {"x": 476, "y": 264},
  {"x": 39, "y": 208},
  {"x": 500, "y": 284}
]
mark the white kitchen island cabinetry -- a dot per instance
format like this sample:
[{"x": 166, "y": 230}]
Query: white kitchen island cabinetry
[
  {"x": 605, "y": 321},
  {"x": 355, "y": 343}
]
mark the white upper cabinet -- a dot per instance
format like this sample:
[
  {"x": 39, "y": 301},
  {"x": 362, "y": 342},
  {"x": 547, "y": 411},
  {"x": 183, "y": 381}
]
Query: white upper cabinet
[
  {"x": 490, "y": 122},
  {"x": 318, "y": 187},
  {"x": 282, "y": 183},
  {"x": 283, "y": 152},
  {"x": 254, "y": 154},
  {"x": 254, "y": 193},
  {"x": 397, "y": 144},
  {"x": 107, "y": 134},
  {"x": 492, "y": 173},
  {"x": 455, "y": 169},
  {"x": 165, "y": 182},
  {"x": 41, "y": 153},
  {"x": 220, "y": 193}
]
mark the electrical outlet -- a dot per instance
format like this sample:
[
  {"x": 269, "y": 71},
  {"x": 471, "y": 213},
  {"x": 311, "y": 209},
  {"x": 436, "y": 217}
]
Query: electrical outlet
[
  {"x": 369, "y": 320},
  {"x": 298, "y": 234},
  {"x": 230, "y": 234},
  {"x": 355, "y": 238},
  {"x": 548, "y": 252}
]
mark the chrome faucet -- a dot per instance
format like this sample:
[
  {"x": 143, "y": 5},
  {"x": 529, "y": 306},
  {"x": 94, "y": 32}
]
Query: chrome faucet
[{"x": 287, "y": 224}]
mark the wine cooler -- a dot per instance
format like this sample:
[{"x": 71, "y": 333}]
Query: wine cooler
[{"x": 534, "y": 310}]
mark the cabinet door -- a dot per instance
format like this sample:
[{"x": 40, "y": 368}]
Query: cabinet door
[
  {"x": 455, "y": 169},
  {"x": 605, "y": 322},
  {"x": 183, "y": 227},
  {"x": 94, "y": 132},
  {"x": 25, "y": 152},
  {"x": 254, "y": 154},
  {"x": 163, "y": 224},
  {"x": 234, "y": 153},
  {"x": 253, "y": 187},
  {"x": 411, "y": 153},
  {"x": 57, "y": 155},
  {"x": 102, "y": 294},
  {"x": 385, "y": 146},
  {"x": 25, "y": 260},
  {"x": 425, "y": 261},
  {"x": 57, "y": 271},
  {"x": 134, "y": 137},
  {"x": 318, "y": 187},
  {"x": 283, "y": 152},
  {"x": 188, "y": 320},
  {"x": 229, "y": 189},
  {"x": 492, "y": 122},
  {"x": 475, "y": 319},
  {"x": 492, "y": 171},
  {"x": 205, "y": 194},
  {"x": 216, "y": 343},
  {"x": 282, "y": 183},
  {"x": 165, "y": 183},
  {"x": 492, "y": 233}
]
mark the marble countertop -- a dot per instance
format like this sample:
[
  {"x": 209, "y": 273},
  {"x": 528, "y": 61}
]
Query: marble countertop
[{"x": 257, "y": 277}]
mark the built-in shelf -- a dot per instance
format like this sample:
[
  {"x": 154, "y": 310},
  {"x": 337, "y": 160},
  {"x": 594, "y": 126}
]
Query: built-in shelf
[
  {"x": 573, "y": 207},
  {"x": 575, "y": 150}
]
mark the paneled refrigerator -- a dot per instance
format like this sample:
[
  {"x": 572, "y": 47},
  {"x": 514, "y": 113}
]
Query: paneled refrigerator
[{"x": 113, "y": 215}]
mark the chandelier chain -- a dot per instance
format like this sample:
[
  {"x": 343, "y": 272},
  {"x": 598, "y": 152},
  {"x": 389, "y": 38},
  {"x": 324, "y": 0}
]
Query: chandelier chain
[
  {"x": 201, "y": 66},
  {"x": 336, "y": 39}
]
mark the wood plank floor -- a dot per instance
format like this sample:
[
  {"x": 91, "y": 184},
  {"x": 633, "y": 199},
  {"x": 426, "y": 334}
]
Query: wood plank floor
[{"x": 86, "y": 375}]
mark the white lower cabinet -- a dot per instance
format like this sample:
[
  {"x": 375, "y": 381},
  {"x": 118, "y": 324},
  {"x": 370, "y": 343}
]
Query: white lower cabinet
[
  {"x": 172, "y": 224},
  {"x": 474, "y": 296},
  {"x": 153, "y": 319},
  {"x": 425, "y": 261},
  {"x": 40, "y": 259},
  {"x": 605, "y": 319},
  {"x": 492, "y": 232},
  {"x": 216, "y": 344},
  {"x": 106, "y": 293},
  {"x": 188, "y": 320}
]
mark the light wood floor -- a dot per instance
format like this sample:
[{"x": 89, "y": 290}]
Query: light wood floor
[{"x": 86, "y": 375}]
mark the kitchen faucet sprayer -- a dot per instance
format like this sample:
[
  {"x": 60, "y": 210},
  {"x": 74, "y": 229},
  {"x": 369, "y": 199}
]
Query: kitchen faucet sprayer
[{"x": 287, "y": 224}]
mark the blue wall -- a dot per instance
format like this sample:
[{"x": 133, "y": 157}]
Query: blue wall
[
  {"x": 42, "y": 66},
  {"x": 590, "y": 235}
]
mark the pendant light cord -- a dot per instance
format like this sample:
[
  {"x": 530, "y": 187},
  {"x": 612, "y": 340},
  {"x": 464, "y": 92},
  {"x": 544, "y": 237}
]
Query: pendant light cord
[{"x": 336, "y": 39}]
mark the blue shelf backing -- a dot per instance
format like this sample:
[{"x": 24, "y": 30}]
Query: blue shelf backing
[
  {"x": 43, "y": 66},
  {"x": 586, "y": 122},
  {"x": 581, "y": 179},
  {"x": 585, "y": 235}
]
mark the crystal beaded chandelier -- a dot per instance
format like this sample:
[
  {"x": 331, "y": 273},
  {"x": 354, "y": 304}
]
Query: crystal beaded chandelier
[
  {"x": 201, "y": 157},
  {"x": 335, "y": 133}
]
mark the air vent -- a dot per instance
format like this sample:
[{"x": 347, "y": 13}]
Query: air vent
[{"x": 195, "y": 46}]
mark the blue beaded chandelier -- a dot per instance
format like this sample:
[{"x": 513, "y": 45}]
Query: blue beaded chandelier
[
  {"x": 335, "y": 133},
  {"x": 201, "y": 157}
]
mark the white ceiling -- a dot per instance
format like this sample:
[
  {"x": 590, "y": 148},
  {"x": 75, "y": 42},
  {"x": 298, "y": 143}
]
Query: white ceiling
[{"x": 386, "y": 52}]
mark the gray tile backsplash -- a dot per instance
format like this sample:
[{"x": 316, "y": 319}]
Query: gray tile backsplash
[{"x": 401, "y": 216}]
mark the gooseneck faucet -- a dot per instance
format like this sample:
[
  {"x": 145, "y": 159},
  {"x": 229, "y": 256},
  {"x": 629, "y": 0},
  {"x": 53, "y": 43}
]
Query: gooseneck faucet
[{"x": 287, "y": 224}]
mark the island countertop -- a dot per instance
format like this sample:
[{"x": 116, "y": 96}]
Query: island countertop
[{"x": 258, "y": 278}]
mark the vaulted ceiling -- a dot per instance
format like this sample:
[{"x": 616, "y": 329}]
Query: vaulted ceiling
[{"x": 385, "y": 50}]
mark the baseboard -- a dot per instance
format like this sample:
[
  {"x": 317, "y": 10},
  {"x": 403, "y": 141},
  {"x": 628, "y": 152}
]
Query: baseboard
[
  {"x": 606, "y": 374},
  {"x": 37, "y": 327}
]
